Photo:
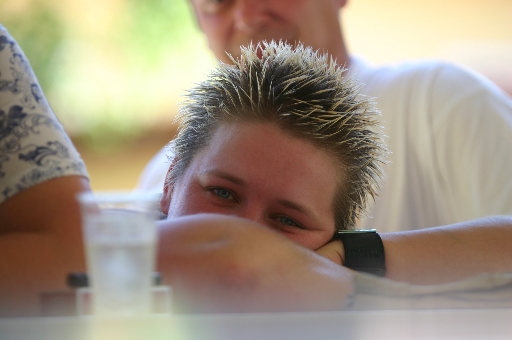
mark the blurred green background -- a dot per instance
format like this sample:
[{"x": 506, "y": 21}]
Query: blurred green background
[
  {"x": 111, "y": 69},
  {"x": 114, "y": 70}
]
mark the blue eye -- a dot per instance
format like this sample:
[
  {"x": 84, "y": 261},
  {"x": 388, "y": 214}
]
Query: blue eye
[
  {"x": 286, "y": 220},
  {"x": 289, "y": 222},
  {"x": 222, "y": 193}
]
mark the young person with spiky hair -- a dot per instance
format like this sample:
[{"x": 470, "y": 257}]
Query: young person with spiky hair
[{"x": 281, "y": 138}]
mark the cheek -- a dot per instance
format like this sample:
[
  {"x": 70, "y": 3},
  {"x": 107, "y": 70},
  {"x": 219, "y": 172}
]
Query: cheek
[
  {"x": 184, "y": 201},
  {"x": 191, "y": 199},
  {"x": 311, "y": 239},
  {"x": 216, "y": 31}
]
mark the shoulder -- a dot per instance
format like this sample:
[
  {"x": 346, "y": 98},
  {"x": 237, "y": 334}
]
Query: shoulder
[
  {"x": 33, "y": 144},
  {"x": 419, "y": 74},
  {"x": 153, "y": 175},
  {"x": 430, "y": 87}
]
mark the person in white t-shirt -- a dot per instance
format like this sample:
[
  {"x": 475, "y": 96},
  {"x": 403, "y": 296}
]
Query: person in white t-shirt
[{"x": 450, "y": 129}]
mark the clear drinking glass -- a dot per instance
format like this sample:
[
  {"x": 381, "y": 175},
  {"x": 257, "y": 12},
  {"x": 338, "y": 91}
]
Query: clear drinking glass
[{"x": 120, "y": 240}]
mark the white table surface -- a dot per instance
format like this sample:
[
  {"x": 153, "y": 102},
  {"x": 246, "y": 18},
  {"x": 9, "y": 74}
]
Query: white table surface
[{"x": 425, "y": 324}]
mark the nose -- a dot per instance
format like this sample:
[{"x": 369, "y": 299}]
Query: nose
[
  {"x": 253, "y": 213},
  {"x": 251, "y": 14}
]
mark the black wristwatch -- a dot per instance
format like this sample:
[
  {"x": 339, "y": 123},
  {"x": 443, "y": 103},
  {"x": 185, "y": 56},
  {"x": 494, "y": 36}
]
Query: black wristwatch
[{"x": 364, "y": 250}]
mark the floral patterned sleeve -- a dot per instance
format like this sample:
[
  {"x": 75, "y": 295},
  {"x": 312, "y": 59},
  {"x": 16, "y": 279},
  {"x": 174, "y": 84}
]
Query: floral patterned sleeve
[{"x": 33, "y": 144}]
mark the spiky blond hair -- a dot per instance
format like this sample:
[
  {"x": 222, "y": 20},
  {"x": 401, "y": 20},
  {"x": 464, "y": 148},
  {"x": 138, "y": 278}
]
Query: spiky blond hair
[{"x": 306, "y": 95}]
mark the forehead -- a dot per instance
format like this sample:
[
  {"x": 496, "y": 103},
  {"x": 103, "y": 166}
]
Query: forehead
[
  {"x": 271, "y": 160},
  {"x": 268, "y": 140}
]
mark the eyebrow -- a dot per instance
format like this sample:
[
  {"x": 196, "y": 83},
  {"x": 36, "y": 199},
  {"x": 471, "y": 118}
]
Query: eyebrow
[
  {"x": 226, "y": 176},
  {"x": 286, "y": 203}
]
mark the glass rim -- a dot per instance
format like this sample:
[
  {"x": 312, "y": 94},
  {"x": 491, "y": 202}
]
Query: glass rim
[{"x": 116, "y": 196}]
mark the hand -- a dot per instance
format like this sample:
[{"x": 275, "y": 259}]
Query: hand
[
  {"x": 217, "y": 263},
  {"x": 334, "y": 251}
]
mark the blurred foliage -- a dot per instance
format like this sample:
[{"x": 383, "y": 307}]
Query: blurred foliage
[
  {"x": 111, "y": 69},
  {"x": 39, "y": 30},
  {"x": 154, "y": 25}
]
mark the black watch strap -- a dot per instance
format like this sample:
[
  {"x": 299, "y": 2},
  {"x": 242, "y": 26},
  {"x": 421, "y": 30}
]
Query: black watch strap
[{"x": 364, "y": 250}]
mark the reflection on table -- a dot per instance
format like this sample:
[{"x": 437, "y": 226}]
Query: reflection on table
[{"x": 424, "y": 324}]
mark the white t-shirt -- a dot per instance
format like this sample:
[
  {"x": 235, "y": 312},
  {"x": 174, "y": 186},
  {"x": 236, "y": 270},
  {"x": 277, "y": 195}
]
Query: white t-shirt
[
  {"x": 33, "y": 145},
  {"x": 450, "y": 136}
]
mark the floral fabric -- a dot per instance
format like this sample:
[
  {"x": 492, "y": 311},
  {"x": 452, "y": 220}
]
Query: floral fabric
[{"x": 33, "y": 144}]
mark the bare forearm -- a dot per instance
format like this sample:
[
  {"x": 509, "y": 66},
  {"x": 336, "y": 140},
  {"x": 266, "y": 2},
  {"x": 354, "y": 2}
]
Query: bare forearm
[
  {"x": 32, "y": 264},
  {"x": 41, "y": 241},
  {"x": 442, "y": 254},
  {"x": 449, "y": 253},
  {"x": 223, "y": 264}
]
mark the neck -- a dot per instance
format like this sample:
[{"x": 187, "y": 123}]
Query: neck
[
  {"x": 342, "y": 54},
  {"x": 339, "y": 50}
]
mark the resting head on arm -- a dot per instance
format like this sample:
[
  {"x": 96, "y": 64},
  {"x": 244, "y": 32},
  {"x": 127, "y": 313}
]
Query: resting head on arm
[
  {"x": 221, "y": 150},
  {"x": 283, "y": 142}
]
